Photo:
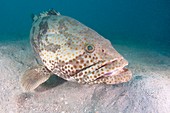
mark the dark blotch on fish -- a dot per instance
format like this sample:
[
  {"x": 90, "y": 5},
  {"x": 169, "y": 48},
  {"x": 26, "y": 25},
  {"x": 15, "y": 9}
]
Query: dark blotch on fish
[
  {"x": 43, "y": 26},
  {"x": 52, "y": 47}
]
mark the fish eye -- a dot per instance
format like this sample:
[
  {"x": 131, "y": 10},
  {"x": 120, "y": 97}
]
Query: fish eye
[{"x": 89, "y": 48}]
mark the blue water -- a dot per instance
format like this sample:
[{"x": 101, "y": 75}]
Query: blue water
[
  {"x": 138, "y": 29},
  {"x": 130, "y": 22}
]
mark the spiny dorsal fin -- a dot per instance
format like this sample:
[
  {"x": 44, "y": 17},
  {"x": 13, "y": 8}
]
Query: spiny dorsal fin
[
  {"x": 44, "y": 14},
  {"x": 34, "y": 17},
  {"x": 52, "y": 12}
]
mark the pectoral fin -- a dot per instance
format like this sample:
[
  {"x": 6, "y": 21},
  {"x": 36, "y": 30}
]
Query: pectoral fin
[{"x": 35, "y": 76}]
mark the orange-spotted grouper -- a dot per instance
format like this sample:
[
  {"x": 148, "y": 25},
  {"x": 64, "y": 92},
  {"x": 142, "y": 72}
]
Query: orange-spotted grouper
[{"x": 72, "y": 51}]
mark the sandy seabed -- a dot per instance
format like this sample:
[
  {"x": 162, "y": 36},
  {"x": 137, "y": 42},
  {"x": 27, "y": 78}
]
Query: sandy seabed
[{"x": 147, "y": 92}]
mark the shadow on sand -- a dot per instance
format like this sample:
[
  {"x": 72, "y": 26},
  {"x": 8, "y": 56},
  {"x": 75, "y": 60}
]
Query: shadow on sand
[{"x": 52, "y": 82}]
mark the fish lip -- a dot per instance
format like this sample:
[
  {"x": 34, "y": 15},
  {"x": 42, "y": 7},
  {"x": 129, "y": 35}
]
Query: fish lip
[
  {"x": 109, "y": 62},
  {"x": 112, "y": 61},
  {"x": 116, "y": 71}
]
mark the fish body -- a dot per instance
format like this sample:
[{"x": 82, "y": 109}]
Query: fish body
[{"x": 75, "y": 52}]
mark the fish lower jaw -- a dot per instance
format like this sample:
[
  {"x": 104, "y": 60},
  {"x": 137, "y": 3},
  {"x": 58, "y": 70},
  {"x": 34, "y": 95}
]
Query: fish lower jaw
[{"x": 116, "y": 71}]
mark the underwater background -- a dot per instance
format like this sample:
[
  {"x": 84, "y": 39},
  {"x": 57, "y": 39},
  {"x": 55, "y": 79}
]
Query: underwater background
[
  {"x": 138, "y": 29},
  {"x": 144, "y": 23}
]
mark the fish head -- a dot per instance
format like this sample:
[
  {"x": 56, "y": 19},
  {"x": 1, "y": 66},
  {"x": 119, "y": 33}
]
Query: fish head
[{"x": 101, "y": 62}]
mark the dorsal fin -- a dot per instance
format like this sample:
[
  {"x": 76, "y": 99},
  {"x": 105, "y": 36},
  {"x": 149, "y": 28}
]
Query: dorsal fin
[
  {"x": 44, "y": 14},
  {"x": 52, "y": 12},
  {"x": 34, "y": 17}
]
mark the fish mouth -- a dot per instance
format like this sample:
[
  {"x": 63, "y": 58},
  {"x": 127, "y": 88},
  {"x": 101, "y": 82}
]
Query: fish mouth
[
  {"x": 114, "y": 67},
  {"x": 116, "y": 71},
  {"x": 103, "y": 68}
]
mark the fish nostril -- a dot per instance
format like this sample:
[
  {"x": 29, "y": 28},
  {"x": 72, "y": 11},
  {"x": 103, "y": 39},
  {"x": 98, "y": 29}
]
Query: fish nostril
[{"x": 103, "y": 50}]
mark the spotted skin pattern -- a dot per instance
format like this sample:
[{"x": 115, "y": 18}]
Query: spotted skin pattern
[{"x": 74, "y": 52}]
